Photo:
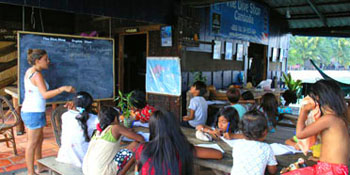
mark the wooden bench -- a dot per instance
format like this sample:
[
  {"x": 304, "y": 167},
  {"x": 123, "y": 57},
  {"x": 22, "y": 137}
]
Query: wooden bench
[{"x": 59, "y": 168}]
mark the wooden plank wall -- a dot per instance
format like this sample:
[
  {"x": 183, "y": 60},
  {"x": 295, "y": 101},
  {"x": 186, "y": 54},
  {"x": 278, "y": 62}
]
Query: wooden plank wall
[
  {"x": 279, "y": 38},
  {"x": 170, "y": 103}
]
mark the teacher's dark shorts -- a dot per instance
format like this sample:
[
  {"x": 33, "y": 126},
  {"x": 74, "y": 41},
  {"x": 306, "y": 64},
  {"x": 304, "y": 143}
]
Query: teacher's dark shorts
[{"x": 34, "y": 120}]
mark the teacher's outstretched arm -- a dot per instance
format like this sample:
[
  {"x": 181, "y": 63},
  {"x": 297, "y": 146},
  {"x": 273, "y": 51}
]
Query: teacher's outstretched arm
[{"x": 38, "y": 80}]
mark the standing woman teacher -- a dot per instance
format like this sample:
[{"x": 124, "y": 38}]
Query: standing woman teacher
[{"x": 33, "y": 107}]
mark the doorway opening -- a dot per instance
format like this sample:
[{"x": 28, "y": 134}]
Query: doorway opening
[
  {"x": 135, "y": 62},
  {"x": 257, "y": 63}
]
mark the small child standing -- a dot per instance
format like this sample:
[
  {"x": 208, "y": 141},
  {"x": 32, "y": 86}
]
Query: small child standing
[
  {"x": 250, "y": 155},
  {"x": 226, "y": 124},
  {"x": 198, "y": 106},
  {"x": 233, "y": 96},
  {"x": 332, "y": 126},
  {"x": 78, "y": 125}
]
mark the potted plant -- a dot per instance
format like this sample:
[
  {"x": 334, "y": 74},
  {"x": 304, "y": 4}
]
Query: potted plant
[
  {"x": 198, "y": 76},
  {"x": 294, "y": 87},
  {"x": 125, "y": 105}
]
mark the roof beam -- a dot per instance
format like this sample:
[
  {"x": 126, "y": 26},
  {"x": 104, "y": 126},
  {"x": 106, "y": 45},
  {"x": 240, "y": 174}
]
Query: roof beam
[
  {"x": 306, "y": 4},
  {"x": 201, "y": 2},
  {"x": 322, "y": 31},
  {"x": 314, "y": 8},
  {"x": 315, "y": 16}
]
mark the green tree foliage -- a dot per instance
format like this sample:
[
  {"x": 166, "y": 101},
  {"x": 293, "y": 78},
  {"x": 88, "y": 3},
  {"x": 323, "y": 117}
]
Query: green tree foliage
[{"x": 320, "y": 49}]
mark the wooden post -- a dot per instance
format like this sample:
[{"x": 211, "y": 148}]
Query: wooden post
[{"x": 20, "y": 126}]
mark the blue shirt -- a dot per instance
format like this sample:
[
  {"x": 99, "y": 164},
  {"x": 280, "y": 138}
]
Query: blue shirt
[{"x": 240, "y": 109}]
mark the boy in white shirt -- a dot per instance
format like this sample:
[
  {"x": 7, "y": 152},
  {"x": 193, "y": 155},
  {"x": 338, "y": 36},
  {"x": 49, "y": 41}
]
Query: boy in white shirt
[
  {"x": 198, "y": 106},
  {"x": 251, "y": 155}
]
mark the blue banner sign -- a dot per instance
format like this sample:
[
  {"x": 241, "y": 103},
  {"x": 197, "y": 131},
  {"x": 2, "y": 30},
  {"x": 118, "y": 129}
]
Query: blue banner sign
[{"x": 240, "y": 19}]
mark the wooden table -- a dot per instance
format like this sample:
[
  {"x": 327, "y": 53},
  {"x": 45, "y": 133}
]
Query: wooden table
[
  {"x": 221, "y": 95},
  {"x": 13, "y": 92},
  {"x": 225, "y": 164}
]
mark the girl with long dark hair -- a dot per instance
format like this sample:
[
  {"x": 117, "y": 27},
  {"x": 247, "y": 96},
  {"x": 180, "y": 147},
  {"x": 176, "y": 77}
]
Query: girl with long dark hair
[
  {"x": 104, "y": 155},
  {"x": 226, "y": 124},
  {"x": 78, "y": 125},
  {"x": 269, "y": 106},
  {"x": 332, "y": 126},
  {"x": 168, "y": 151}
]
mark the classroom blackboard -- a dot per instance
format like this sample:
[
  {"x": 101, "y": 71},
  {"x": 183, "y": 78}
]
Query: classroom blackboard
[{"x": 86, "y": 63}]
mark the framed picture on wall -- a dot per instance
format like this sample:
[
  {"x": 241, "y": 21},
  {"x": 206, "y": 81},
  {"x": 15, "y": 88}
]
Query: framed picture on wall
[
  {"x": 228, "y": 51},
  {"x": 274, "y": 54},
  {"x": 281, "y": 55},
  {"x": 240, "y": 50},
  {"x": 217, "y": 50},
  {"x": 166, "y": 36}
]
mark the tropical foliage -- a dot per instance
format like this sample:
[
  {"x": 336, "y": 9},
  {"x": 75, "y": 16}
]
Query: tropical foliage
[
  {"x": 124, "y": 103},
  {"x": 323, "y": 50},
  {"x": 293, "y": 86}
]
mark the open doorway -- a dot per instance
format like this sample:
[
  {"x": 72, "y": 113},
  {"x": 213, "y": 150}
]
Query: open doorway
[
  {"x": 256, "y": 63},
  {"x": 135, "y": 62}
]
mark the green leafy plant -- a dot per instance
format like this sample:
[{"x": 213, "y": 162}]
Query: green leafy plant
[
  {"x": 198, "y": 76},
  {"x": 294, "y": 86},
  {"x": 124, "y": 103}
]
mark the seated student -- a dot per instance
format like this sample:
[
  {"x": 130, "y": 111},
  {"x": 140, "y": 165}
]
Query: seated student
[
  {"x": 269, "y": 106},
  {"x": 226, "y": 124},
  {"x": 198, "y": 106},
  {"x": 332, "y": 126},
  {"x": 101, "y": 157},
  {"x": 168, "y": 151},
  {"x": 78, "y": 124},
  {"x": 233, "y": 95},
  {"x": 289, "y": 97},
  {"x": 251, "y": 155},
  {"x": 247, "y": 95}
]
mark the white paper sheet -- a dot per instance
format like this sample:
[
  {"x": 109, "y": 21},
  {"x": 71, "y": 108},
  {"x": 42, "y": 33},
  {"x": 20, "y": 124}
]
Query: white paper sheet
[
  {"x": 214, "y": 146},
  {"x": 145, "y": 135},
  {"x": 281, "y": 149},
  {"x": 219, "y": 102},
  {"x": 231, "y": 143},
  {"x": 139, "y": 123}
]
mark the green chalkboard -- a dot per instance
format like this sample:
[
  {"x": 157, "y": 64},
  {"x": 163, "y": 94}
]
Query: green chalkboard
[{"x": 87, "y": 63}]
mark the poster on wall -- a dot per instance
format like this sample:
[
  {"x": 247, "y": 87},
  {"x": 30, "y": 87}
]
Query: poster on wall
[
  {"x": 228, "y": 51},
  {"x": 165, "y": 35},
  {"x": 163, "y": 75},
  {"x": 274, "y": 54},
  {"x": 217, "y": 50},
  {"x": 216, "y": 24},
  {"x": 243, "y": 20},
  {"x": 240, "y": 52},
  {"x": 281, "y": 55}
]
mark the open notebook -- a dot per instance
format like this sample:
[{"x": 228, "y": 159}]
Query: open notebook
[
  {"x": 138, "y": 123},
  {"x": 281, "y": 149},
  {"x": 214, "y": 146},
  {"x": 145, "y": 135}
]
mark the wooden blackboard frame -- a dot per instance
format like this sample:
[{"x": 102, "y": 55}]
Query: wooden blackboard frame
[{"x": 61, "y": 35}]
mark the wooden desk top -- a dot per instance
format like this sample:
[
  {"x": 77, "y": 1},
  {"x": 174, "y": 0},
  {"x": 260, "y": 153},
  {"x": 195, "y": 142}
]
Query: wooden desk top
[
  {"x": 11, "y": 90},
  {"x": 225, "y": 164}
]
